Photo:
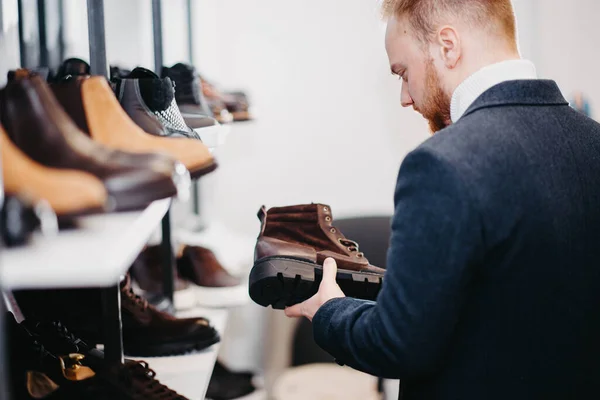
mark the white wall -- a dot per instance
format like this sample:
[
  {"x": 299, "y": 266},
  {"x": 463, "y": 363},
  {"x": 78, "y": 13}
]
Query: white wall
[
  {"x": 330, "y": 126},
  {"x": 567, "y": 46}
]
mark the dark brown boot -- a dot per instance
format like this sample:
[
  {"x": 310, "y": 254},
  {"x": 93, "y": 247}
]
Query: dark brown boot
[
  {"x": 293, "y": 244},
  {"x": 216, "y": 287},
  {"x": 147, "y": 272}
]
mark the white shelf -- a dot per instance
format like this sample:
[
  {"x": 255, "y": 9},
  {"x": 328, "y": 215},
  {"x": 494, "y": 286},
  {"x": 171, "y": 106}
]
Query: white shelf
[
  {"x": 94, "y": 255},
  {"x": 189, "y": 375},
  {"x": 214, "y": 136}
]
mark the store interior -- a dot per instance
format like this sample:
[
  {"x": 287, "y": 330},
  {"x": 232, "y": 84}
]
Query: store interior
[{"x": 299, "y": 107}]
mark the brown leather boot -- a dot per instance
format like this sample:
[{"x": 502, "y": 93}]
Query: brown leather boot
[
  {"x": 293, "y": 244},
  {"x": 216, "y": 287},
  {"x": 68, "y": 192},
  {"x": 92, "y": 105},
  {"x": 36, "y": 123},
  {"x": 147, "y": 272}
]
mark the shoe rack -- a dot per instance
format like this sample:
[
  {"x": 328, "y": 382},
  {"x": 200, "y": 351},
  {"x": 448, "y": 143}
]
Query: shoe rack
[{"x": 99, "y": 253}]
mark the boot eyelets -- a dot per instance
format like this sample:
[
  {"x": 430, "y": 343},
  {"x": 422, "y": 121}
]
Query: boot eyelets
[
  {"x": 359, "y": 255},
  {"x": 325, "y": 209},
  {"x": 332, "y": 230},
  {"x": 328, "y": 219}
]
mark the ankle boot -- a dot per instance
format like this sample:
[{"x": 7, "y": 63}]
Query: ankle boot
[
  {"x": 292, "y": 245},
  {"x": 68, "y": 193},
  {"x": 147, "y": 272},
  {"x": 92, "y": 105},
  {"x": 188, "y": 90},
  {"x": 36, "y": 123},
  {"x": 150, "y": 102},
  {"x": 147, "y": 332}
]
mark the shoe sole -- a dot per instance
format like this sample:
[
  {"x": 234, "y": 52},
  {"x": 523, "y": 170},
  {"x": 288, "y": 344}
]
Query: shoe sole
[
  {"x": 200, "y": 171},
  {"x": 281, "y": 282},
  {"x": 169, "y": 349}
]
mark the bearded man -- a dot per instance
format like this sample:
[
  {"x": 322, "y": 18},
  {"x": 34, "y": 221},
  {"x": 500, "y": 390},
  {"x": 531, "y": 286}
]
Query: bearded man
[{"x": 492, "y": 289}]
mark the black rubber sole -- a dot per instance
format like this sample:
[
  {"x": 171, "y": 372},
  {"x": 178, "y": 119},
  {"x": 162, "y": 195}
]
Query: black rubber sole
[
  {"x": 169, "y": 349},
  {"x": 281, "y": 282}
]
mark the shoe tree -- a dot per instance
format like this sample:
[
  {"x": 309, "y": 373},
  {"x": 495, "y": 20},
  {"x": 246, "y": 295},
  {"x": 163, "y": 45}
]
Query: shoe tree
[
  {"x": 68, "y": 192},
  {"x": 110, "y": 125}
]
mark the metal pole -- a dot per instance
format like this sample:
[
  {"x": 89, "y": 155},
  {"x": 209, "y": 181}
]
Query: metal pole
[
  {"x": 3, "y": 356},
  {"x": 97, "y": 37},
  {"x": 190, "y": 32},
  {"x": 157, "y": 34},
  {"x": 113, "y": 328},
  {"x": 44, "y": 53},
  {"x": 167, "y": 249},
  {"x": 168, "y": 260}
]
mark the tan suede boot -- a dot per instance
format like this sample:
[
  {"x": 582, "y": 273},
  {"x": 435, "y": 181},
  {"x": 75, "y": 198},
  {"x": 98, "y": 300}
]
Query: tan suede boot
[
  {"x": 68, "y": 192},
  {"x": 91, "y": 103},
  {"x": 293, "y": 244}
]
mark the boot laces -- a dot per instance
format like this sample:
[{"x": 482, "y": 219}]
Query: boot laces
[
  {"x": 63, "y": 332},
  {"x": 352, "y": 246},
  {"x": 138, "y": 300},
  {"x": 146, "y": 384}
]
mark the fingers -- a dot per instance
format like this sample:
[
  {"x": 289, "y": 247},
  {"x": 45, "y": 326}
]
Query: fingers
[
  {"x": 329, "y": 270},
  {"x": 294, "y": 311}
]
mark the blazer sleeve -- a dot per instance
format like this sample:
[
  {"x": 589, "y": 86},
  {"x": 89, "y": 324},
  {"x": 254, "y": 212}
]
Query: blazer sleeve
[{"x": 436, "y": 241}]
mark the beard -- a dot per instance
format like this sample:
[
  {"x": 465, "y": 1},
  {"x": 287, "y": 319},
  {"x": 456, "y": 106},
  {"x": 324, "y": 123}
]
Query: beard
[{"x": 436, "y": 105}]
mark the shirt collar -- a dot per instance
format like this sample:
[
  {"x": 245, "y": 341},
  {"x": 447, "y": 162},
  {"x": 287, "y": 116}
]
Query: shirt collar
[{"x": 487, "y": 77}]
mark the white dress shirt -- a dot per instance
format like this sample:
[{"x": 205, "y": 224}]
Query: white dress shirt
[{"x": 474, "y": 86}]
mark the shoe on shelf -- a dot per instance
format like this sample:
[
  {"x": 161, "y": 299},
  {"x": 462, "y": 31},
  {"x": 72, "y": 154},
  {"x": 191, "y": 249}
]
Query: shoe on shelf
[
  {"x": 147, "y": 332},
  {"x": 147, "y": 273},
  {"x": 19, "y": 219},
  {"x": 293, "y": 243},
  {"x": 150, "y": 102},
  {"x": 150, "y": 333},
  {"x": 238, "y": 105},
  {"x": 91, "y": 103},
  {"x": 227, "y": 385},
  {"x": 188, "y": 91},
  {"x": 132, "y": 380},
  {"x": 36, "y": 373},
  {"x": 193, "y": 106},
  {"x": 71, "y": 67},
  {"x": 215, "y": 101},
  {"x": 215, "y": 286},
  {"x": 67, "y": 192},
  {"x": 37, "y": 124}
]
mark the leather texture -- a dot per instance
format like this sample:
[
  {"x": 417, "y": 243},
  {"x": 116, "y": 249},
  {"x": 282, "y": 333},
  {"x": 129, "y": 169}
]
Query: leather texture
[
  {"x": 147, "y": 271},
  {"x": 200, "y": 265},
  {"x": 68, "y": 192},
  {"x": 91, "y": 100},
  {"x": 307, "y": 232},
  {"x": 144, "y": 323},
  {"x": 37, "y": 124},
  {"x": 131, "y": 100}
]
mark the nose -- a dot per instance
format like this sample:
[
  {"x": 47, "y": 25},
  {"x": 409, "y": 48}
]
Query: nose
[{"x": 405, "y": 98}]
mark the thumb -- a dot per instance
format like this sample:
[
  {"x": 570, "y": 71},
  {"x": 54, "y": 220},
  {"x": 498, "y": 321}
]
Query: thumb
[
  {"x": 329, "y": 270},
  {"x": 295, "y": 311}
]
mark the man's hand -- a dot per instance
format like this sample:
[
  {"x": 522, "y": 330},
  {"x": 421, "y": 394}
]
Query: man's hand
[{"x": 328, "y": 289}]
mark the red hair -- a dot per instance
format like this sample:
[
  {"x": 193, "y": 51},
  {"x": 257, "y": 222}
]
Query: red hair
[{"x": 496, "y": 16}]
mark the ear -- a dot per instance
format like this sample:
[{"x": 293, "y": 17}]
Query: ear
[{"x": 450, "y": 46}]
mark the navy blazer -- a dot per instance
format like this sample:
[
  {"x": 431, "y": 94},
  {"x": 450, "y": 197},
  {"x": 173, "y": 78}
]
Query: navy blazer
[{"x": 492, "y": 289}]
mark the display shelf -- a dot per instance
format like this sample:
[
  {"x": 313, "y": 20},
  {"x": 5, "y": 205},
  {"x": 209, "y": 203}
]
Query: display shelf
[
  {"x": 94, "y": 255},
  {"x": 190, "y": 374},
  {"x": 214, "y": 136}
]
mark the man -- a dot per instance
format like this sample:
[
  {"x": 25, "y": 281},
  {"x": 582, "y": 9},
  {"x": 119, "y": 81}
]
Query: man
[{"x": 492, "y": 289}]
